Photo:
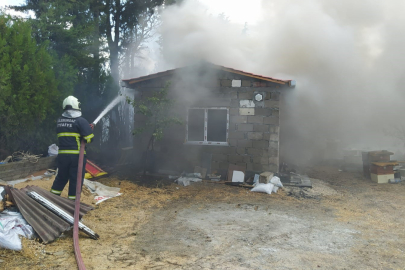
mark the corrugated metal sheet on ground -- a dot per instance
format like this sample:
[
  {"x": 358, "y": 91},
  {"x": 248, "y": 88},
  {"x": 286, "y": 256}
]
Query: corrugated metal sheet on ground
[
  {"x": 46, "y": 224},
  {"x": 66, "y": 204}
]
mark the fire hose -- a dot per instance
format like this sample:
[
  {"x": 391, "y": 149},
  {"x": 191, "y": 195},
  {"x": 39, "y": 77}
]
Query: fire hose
[{"x": 78, "y": 255}]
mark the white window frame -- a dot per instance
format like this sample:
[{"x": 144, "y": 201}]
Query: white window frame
[{"x": 205, "y": 142}]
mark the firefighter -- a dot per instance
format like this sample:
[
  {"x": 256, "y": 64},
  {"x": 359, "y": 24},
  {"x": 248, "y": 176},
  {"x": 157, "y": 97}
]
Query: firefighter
[{"x": 71, "y": 128}]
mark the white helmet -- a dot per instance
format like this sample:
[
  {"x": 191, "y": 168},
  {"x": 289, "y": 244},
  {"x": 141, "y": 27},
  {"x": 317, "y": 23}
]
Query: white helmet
[{"x": 71, "y": 103}]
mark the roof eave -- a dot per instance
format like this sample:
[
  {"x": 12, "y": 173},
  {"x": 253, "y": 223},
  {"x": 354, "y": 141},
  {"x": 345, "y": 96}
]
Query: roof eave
[{"x": 131, "y": 82}]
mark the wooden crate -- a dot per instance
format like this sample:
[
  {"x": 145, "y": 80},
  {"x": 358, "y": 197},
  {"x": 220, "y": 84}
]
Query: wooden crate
[
  {"x": 379, "y": 156},
  {"x": 381, "y": 170}
]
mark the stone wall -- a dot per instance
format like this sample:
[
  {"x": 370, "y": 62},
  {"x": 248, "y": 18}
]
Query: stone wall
[
  {"x": 22, "y": 169},
  {"x": 253, "y": 130},
  {"x": 253, "y": 125}
]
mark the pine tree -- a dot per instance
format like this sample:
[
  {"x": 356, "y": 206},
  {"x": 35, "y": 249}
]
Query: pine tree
[{"x": 28, "y": 86}]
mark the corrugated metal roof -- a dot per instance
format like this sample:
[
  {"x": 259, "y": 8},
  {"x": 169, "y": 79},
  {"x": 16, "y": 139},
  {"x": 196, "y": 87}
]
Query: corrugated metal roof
[
  {"x": 66, "y": 204},
  {"x": 227, "y": 69},
  {"x": 46, "y": 224}
]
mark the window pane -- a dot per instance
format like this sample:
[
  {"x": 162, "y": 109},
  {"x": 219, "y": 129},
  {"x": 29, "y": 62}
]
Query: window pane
[
  {"x": 216, "y": 128},
  {"x": 196, "y": 125}
]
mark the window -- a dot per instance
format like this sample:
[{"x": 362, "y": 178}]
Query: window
[{"x": 207, "y": 126}]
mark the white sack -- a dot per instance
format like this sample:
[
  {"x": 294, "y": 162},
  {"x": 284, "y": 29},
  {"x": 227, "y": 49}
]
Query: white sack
[
  {"x": 11, "y": 226},
  {"x": 276, "y": 182},
  {"x": 100, "y": 189},
  {"x": 185, "y": 181},
  {"x": 261, "y": 187},
  {"x": 104, "y": 192},
  {"x": 100, "y": 199},
  {"x": 53, "y": 150}
]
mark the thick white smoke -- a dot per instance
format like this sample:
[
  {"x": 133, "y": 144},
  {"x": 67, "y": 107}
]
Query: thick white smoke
[{"x": 346, "y": 56}]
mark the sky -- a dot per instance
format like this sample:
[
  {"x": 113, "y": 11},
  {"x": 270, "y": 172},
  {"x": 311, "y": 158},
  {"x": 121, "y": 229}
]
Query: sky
[
  {"x": 5, "y": 3},
  {"x": 12, "y": 2},
  {"x": 239, "y": 13}
]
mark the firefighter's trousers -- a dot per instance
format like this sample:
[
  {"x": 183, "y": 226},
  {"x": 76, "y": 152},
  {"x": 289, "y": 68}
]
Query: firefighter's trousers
[{"x": 67, "y": 171}]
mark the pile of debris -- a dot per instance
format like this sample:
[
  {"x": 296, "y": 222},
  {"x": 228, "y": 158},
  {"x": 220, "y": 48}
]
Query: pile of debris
[
  {"x": 34, "y": 212},
  {"x": 21, "y": 164},
  {"x": 21, "y": 156},
  {"x": 267, "y": 182},
  {"x": 33, "y": 209}
]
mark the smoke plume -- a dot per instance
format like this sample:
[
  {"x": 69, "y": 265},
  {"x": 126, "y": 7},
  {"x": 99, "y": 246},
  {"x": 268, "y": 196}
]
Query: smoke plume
[{"x": 346, "y": 56}]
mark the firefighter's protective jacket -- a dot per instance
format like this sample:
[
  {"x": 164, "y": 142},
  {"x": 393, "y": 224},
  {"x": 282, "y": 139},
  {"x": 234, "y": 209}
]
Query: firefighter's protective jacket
[{"x": 71, "y": 130}]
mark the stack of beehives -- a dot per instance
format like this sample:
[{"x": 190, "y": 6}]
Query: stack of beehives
[{"x": 378, "y": 166}]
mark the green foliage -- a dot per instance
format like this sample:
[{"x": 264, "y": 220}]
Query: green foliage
[
  {"x": 157, "y": 110},
  {"x": 86, "y": 32},
  {"x": 68, "y": 25},
  {"x": 87, "y": 38},
  {"x": 31, "y": 80},
  {"x": 72, "y": 30}
]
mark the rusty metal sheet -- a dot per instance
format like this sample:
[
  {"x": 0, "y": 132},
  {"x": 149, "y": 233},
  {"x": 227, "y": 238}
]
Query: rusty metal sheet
[
  {"x": 46, "y": 224},
  {"x": 61, "y": 213}
]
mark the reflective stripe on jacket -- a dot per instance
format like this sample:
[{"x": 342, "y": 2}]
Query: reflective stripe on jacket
[{"x": 70, "y": 131}]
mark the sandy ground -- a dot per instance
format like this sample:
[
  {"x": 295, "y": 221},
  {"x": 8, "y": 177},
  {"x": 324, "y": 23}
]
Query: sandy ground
[{"x": 344, "y": 222}]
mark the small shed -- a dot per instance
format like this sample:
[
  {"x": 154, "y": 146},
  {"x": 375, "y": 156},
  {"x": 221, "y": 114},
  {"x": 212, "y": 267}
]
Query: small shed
[{"x": 230, "y": 117}]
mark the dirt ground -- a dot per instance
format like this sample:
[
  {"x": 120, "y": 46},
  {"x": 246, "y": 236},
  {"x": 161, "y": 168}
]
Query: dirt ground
[{"x": 344, "y": 222}]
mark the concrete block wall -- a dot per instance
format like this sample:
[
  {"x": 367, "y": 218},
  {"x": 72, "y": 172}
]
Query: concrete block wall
[
  {"x": 17, "y": 170},
  {"x": 253, "y": 134},
  {"x": 253, "y": 138}
]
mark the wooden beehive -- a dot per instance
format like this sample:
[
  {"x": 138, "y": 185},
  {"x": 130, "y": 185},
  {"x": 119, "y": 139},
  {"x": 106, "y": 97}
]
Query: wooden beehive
[
  {"x": 379, "y": 156},
  {"x": 374, "y": 156},
  {"x": 382, "y": 168}
]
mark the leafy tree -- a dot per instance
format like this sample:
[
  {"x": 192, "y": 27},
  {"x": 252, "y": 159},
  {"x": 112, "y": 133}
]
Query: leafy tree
[
  {"x": 68, "y": 25},
  {"x": 31, "y": 80},
  {"x": 136, "y": 43},
  {"x": 96, "y": 37},
  {"x": 72, "y": 29},
  {"x": 119, "y": 21}
]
